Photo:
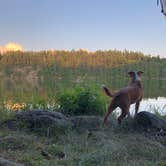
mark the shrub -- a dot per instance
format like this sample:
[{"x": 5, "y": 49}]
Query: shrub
[{"x": 81, "y": 101}]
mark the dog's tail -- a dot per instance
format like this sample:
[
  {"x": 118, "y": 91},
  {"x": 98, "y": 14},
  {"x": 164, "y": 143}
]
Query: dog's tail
[{"x": 107, "y": 91}]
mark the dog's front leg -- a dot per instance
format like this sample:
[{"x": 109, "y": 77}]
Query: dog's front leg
[{"x": 137, "y": 107}]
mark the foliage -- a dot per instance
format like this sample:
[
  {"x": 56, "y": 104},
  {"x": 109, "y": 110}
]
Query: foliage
[
  {"x": 110, "y": 58},
  {"x": 36, "y": 77},
  {"x": 81, "y": 101}
]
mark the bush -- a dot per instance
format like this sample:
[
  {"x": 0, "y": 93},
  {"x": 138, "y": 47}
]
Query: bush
[{"x": 81, "y": 101}]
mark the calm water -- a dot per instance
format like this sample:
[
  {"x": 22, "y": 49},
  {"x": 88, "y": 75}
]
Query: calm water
[
  {"x": 153, "y": 105},
  {"x": 150, "y": 105}
]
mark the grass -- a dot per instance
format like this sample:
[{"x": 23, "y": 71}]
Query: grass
[{"x": 112, "y": 145}]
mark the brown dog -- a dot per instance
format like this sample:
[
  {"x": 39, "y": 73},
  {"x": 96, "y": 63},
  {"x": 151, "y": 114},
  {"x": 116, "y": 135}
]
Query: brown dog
[{"x": 125, "y": 96}]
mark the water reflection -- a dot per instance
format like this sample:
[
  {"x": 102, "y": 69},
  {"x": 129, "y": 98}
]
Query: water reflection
[{"x": 151, "y": 105}]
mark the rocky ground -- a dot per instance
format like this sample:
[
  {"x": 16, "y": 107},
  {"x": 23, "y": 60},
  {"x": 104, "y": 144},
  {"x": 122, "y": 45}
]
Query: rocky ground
[{"x": 43, "y": 138}]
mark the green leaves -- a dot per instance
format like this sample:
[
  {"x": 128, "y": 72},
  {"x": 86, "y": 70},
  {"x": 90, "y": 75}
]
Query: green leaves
[{"x": 81, "y": 101}]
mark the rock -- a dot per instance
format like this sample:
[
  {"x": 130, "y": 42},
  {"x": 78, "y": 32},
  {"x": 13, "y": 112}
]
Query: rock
[
  {"x": 149, "y": 120},
  {"x": 42, "y": 121},
  {"x": 43, "y": 118},
  {"x": 5, "y": 162}
]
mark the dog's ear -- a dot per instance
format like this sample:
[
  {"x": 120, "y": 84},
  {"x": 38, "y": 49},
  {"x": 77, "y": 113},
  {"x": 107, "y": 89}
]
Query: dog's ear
[
  {"x": 140, "y": 73},
  {"x": 131, "y": 73}
]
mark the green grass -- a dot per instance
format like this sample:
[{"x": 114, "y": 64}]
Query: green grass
[
  {"x": 102, "y": 148},
  {"x": 111, "y": 145}
]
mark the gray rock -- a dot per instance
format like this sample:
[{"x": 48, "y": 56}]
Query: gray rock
[
  {"x": 40, "y": 121},
  {"x": 44, "y": 119},
  {"x": 5, "y": 162},
  {"x": 149, "y": 120}
]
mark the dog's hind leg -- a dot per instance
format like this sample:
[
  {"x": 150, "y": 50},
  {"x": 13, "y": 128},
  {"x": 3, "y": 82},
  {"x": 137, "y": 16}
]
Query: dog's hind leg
[
  {"x": 121, "y": 117},
  {"x": 124, "y": 112},
  {"x": 109, "y": 111}
]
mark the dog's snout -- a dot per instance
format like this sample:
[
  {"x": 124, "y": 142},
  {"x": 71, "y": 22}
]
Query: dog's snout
[{"x": 137, "y": 77}]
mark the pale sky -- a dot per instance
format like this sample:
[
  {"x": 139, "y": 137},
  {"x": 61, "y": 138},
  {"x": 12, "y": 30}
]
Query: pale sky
[{"x": 136, "y": 25}]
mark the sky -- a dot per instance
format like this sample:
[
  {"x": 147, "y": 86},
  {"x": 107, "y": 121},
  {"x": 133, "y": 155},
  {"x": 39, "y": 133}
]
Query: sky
[{"x": 136, "y": 25}]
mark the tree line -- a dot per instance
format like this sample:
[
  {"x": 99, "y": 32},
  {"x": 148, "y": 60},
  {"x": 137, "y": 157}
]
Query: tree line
[{"x": 73, "y": 58}]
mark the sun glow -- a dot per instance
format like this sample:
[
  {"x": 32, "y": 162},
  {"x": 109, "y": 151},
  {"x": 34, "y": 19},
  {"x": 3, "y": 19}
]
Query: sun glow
[
  {"x": 14, "y": 47},
  {"x": 11, "y": 46}
]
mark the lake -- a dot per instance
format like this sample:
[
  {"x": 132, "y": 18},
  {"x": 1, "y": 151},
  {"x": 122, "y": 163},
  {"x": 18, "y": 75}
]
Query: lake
[{"x": 151, "y": 105}]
